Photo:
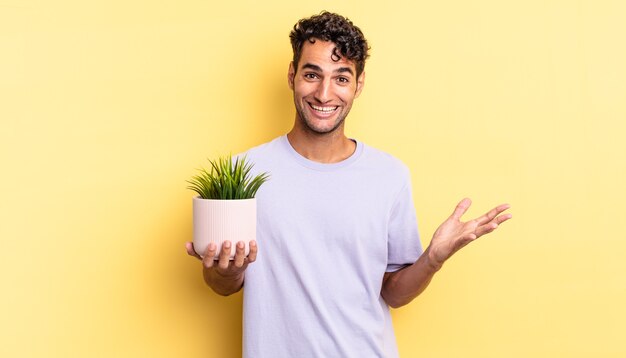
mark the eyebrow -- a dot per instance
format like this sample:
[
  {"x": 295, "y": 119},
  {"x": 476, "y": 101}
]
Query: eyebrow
[
  {"x": 319, "y": 69},
  {"x": 312, "y": 67},
  {"x": 345, "y": 69}
]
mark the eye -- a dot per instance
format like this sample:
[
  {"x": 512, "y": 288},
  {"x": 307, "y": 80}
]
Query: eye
[
  {"x": 310, "y": 76},
  {"x": 343, "y": 80}
]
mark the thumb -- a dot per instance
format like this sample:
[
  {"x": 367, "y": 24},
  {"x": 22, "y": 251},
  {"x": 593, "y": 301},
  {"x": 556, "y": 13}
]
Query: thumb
[{"x": 461, "y": 208}]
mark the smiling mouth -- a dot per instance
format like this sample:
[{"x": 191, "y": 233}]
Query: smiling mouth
[{"x": 323, "y": 109}]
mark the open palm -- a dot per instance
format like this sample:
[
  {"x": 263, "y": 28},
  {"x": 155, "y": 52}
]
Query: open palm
[{"x": 453, "y": 234}]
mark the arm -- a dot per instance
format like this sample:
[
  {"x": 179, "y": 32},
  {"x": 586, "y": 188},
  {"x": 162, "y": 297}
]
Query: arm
[
  {"x": 401, "y": 287},
  {"x": 225, "y": 276}
]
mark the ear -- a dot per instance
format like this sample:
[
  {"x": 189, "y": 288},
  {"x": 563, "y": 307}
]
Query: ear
[
  {"x": 291, "y": 74},
  {"x": 360, "y": 82}
]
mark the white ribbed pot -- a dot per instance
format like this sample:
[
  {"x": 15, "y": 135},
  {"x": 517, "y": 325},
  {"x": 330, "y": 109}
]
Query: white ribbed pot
[{"x": 220, "y": 220}]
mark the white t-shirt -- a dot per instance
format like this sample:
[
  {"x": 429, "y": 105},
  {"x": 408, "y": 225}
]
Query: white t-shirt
[{"x": 327, "y": 233}]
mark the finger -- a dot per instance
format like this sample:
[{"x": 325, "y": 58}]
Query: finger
[
  {"x": 240, "y": 254},
  {"x": 492, "y": 225},
  {"x": 502, "y": 218},
  {"x": 468, "y": 238},
  {"x": 485, "y": 229},
  {"x": 224, "y": 258},
  {"x": 191, "y": 251},
  {"x": 461, "y": 208},
  {"x": 491, "y": 214},
  {"x": 209, "y": 255},
  {"x": 253, "y": 251}
]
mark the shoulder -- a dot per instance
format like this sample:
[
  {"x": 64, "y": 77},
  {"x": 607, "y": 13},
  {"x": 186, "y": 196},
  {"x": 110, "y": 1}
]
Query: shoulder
[
  {"x": 382, "y": 172},
  {"x": 384, "y": 162},
  {"x": 262, "y": 148},
  {"x": 265, "y": 157},
  {"x": 262, "y": 151}
]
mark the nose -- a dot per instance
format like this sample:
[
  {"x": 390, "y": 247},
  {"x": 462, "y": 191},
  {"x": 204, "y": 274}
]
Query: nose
[{"x": 323, "y": 92}]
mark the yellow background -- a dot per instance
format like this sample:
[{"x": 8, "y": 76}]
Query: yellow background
[{"x": 107, "y": 107}]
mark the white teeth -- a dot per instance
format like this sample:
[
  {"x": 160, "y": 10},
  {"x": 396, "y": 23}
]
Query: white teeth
[{"x": 323, "y": 109}]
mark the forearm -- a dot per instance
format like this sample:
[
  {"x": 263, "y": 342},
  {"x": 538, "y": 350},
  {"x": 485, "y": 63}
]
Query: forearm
[
  {"x": 401, "y": 287},
  {"x": 222, "y": 285}
]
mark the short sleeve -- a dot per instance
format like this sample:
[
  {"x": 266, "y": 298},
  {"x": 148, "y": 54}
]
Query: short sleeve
[{"x": 403, "y": 241}]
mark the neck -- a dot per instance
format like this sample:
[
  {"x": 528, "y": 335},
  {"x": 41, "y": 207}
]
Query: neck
[{"x": 322, "y": 148}]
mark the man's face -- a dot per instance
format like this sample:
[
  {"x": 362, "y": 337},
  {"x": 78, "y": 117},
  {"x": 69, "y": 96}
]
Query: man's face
[{"x": 323, "y": 89}]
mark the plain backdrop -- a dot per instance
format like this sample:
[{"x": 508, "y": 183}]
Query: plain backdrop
[{"x": 108, "y": 107}]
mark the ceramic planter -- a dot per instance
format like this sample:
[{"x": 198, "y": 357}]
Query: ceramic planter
[{"x": 220, "y": 220}]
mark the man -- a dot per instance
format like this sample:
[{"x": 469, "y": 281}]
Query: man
[{"x": 337, "y": 234}]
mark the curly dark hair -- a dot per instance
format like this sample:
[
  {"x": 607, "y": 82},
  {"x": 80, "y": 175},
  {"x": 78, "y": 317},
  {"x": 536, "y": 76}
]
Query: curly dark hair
[{"x": 327, "y": 26}]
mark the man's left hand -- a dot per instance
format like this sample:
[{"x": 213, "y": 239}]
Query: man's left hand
[{"x": 453, "y": 234}]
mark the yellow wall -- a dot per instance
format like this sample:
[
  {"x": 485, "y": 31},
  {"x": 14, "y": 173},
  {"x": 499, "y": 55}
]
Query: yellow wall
[{"x": 107, "y": 107}]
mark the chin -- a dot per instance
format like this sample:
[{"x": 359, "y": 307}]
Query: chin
[{"x": 323, "y": 130}]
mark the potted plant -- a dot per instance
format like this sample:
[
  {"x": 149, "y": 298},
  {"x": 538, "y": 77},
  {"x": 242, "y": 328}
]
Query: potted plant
[{"x": 225, "y": 208}]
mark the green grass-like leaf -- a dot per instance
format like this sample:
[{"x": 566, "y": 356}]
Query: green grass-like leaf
[{"x": 227, "y": 180}]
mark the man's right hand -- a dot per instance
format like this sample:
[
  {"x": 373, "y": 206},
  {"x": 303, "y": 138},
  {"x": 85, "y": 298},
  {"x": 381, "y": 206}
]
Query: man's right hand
[{"x": 223, "y": 275}]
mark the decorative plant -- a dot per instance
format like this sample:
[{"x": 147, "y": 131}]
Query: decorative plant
[{"x": 227, "y": 180}]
